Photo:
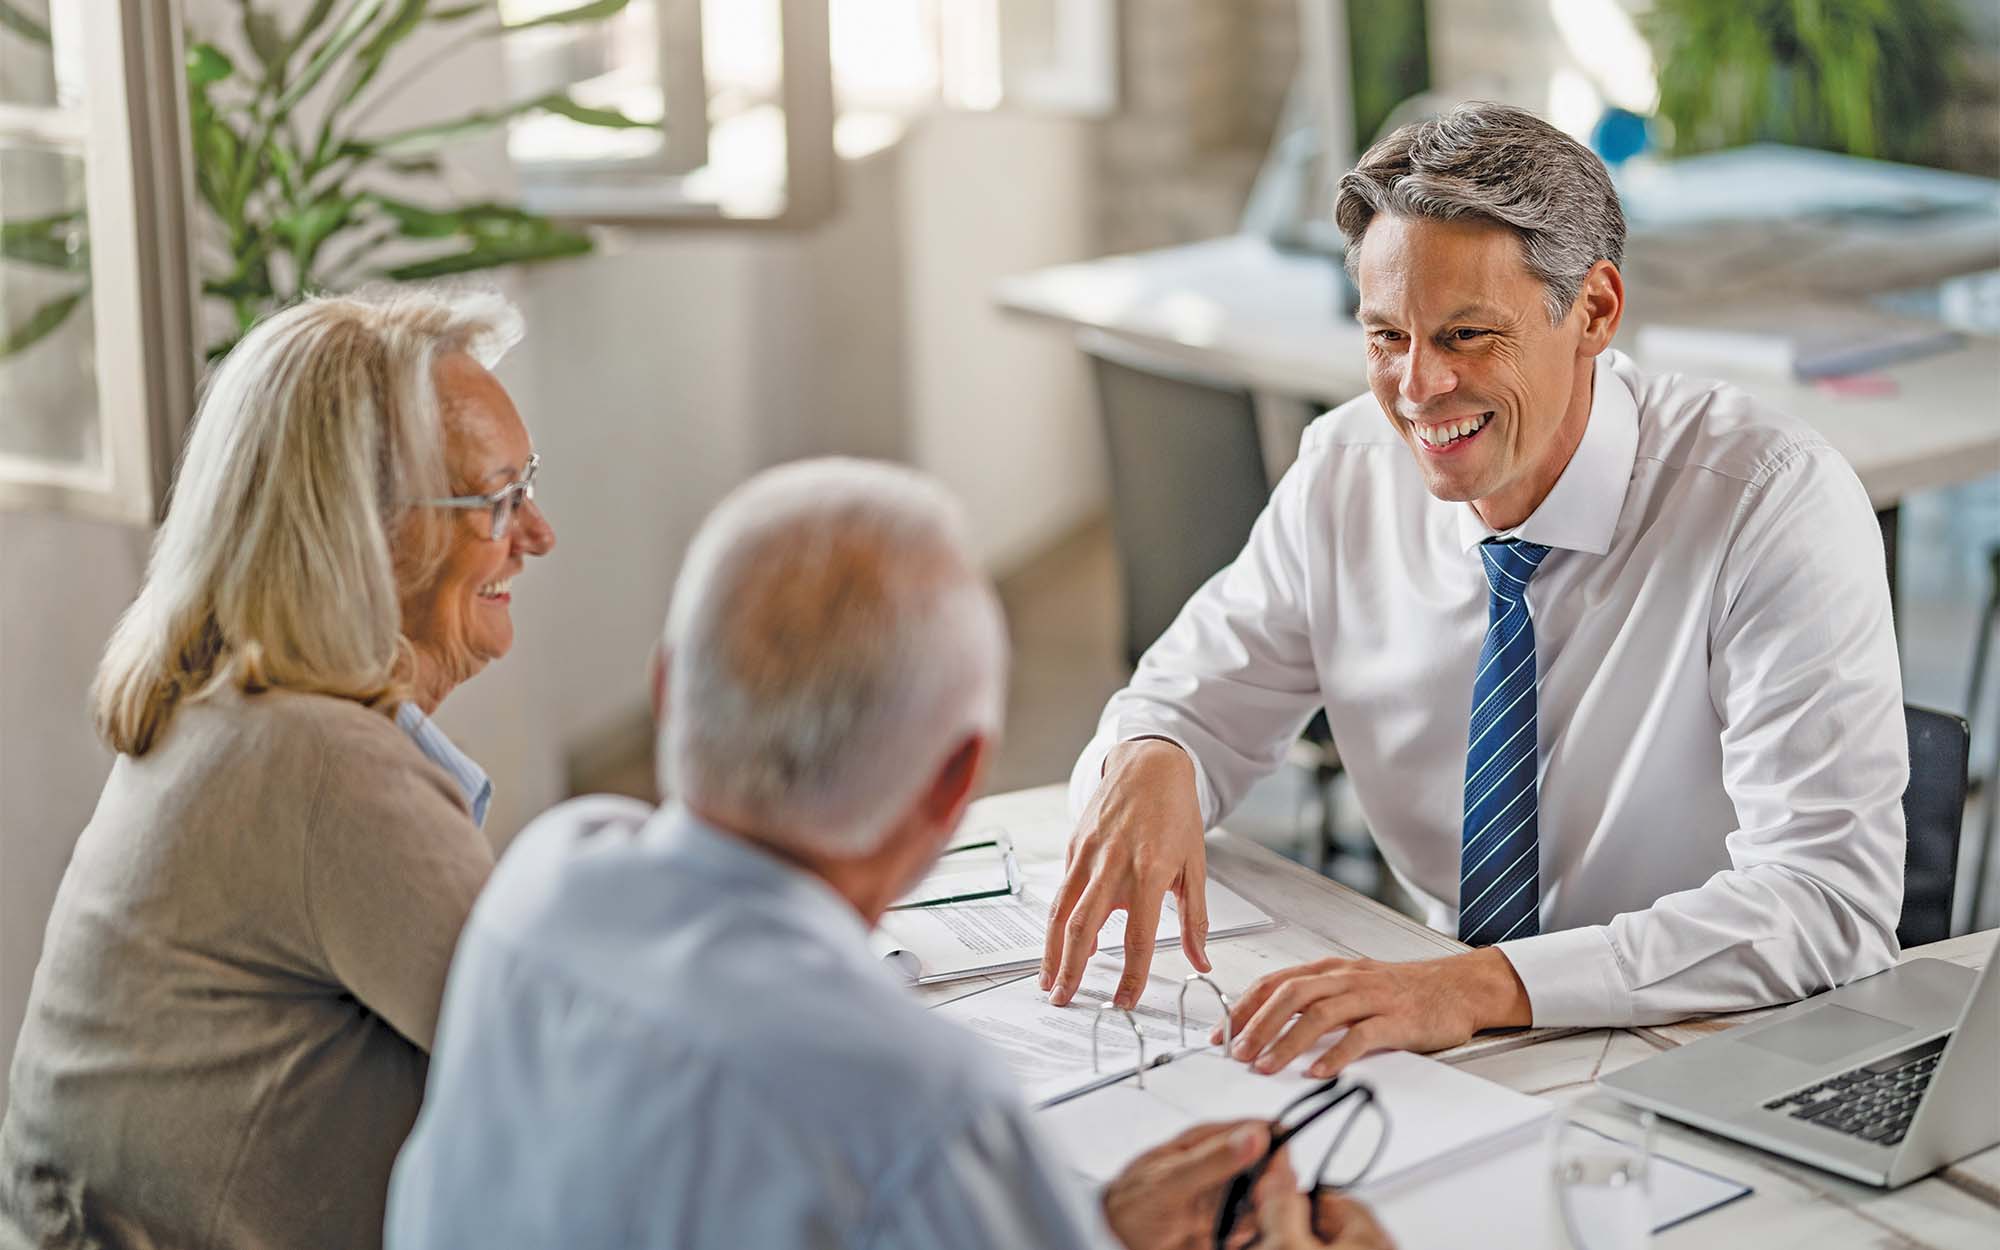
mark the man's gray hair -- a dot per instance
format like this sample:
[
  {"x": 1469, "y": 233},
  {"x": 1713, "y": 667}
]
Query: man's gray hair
[
  {"x": 830, "y": 643},
  {"x": 1500, "y": 164}
]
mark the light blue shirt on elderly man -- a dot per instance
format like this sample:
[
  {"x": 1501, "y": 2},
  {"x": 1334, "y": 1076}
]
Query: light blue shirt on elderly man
[{"x": 656, "y": 1034}]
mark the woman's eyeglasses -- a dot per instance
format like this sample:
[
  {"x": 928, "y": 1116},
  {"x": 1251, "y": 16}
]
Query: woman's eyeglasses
[
  {"x": 1361, "y": 1105},
  {"x": 503, "y": 503}
]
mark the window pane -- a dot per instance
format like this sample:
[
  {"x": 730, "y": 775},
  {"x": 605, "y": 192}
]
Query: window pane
[
  {"x": 28, "y": 72},
  {"x": 48, "y": 389},
  {"x": 610, "y": 64}
]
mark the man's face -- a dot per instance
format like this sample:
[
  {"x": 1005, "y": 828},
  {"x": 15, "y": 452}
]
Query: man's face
[{"x": 1462, "y": 358}]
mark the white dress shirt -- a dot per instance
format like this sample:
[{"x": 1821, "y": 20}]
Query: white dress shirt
[
  {"x": 656, "y": 1034},
  {"x": 1722, "y": 751}
]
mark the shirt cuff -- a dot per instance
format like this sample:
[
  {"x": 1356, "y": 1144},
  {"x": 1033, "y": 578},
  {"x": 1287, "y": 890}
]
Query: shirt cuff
[
  {"x": 1089, "y": 770},
  {"x": 1573, "y": 978}
]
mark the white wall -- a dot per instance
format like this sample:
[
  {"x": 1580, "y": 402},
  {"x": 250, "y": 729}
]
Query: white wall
[{"x": 1000, "y": 408}]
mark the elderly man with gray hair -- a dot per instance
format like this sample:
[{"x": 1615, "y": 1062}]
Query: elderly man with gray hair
[
  {"x": 1607, "y": 654},
  {"x": 665, "y": 1028}
]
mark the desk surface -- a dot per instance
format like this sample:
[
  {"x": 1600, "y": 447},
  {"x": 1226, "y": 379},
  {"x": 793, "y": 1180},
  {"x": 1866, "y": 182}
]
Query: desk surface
[
  {"x": 1241, "y": 311},
  {"x": 1793, "y": 1205}
]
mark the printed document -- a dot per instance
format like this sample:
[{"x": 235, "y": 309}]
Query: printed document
[{"x": 931, "y": 944}]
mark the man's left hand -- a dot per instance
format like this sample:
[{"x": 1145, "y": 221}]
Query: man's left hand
[{"x": 1423, "y": 1006}]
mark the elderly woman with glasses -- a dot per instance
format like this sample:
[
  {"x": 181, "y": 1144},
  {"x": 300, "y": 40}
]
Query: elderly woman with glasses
[{"x": 227, "y": 1036}]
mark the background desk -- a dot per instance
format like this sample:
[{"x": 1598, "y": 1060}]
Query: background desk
[
  {"x": 1793, "y": 1205},
  {"x": 1238, "y": 310}
]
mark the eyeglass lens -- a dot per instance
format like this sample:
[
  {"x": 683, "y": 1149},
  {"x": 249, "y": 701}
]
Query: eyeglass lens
[{"x": 507, "y": 504}]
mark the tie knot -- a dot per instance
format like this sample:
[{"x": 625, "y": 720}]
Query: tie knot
[{"x": 1510, "y": 564}]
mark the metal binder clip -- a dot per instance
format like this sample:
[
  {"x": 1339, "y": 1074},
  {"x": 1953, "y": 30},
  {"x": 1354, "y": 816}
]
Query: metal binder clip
[
  {"x": 1138, "y": 1068},
  {"x": 1187, "y": 983}
]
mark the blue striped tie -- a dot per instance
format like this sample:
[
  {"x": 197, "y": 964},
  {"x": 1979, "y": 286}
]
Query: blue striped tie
[{"x": 1499, "y": 887}]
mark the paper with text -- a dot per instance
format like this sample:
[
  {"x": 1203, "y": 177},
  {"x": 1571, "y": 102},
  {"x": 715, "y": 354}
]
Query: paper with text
[
  {"x": 1047, "y": 1048},
  {"x": 932, "y": 944}
]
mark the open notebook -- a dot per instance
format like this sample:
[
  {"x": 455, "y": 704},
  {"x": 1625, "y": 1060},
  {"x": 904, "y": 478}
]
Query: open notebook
[{"x": 997, "y": 935}]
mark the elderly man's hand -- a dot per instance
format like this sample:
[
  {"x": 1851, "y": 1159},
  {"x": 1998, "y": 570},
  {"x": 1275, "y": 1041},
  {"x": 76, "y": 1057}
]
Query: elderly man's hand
[
  {"x": 1322, "y": 1220},
  {"x": 1421, "y": 1006},
  {"x": 1140, "y": 837},
  {"x": 1168, "y": 1198}
]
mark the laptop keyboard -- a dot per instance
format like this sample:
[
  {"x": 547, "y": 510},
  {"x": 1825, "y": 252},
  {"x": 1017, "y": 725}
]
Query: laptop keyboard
[{"x": 1875, "y": 1101}]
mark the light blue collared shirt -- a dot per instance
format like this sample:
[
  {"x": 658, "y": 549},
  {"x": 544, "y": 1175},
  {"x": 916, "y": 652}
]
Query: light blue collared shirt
[
  {"x": 440, "y": 750},
  {"x": 656, "y": 1034}
]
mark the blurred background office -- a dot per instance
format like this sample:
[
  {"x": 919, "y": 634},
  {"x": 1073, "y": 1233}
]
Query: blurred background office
[{"x": 744, "y": 231}]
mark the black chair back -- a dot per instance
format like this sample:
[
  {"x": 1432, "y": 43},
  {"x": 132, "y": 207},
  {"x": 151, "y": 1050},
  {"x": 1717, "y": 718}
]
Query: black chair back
[
  {"x": 1187, "y": 482},
  {"x": 1934, "y": 812}
]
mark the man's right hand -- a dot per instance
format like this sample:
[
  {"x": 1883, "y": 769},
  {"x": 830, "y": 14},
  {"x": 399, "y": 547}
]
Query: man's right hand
[
  {"x": 1321, "y": 1220},
  {"x": 1140, "y": 837}
]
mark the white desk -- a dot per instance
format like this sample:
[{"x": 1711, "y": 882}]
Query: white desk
[
  {"x": 1238, "y": 310},
  {"x": 1793, "y": 1205}
]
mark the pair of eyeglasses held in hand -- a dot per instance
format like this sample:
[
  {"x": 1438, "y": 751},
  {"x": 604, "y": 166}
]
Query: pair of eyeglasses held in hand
[
  {"x": 1361, "y": 1103},
  {"x": 1001, "y": 880}
]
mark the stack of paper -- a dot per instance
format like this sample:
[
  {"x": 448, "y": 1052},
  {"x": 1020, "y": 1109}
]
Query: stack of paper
[{"x": 930, "y": 944}]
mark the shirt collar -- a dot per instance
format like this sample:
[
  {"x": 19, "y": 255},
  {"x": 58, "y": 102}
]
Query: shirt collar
[
  {"x": 440, "y": 750},
  {"x": 740, "y": 866},
  {"x": 1581, "y": 511}
]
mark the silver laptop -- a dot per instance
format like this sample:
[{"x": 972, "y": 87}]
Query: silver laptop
[{"x": 1885, "y": 1080}]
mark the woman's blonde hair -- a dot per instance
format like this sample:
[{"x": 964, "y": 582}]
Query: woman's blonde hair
[{"x": 274, "y": 565}]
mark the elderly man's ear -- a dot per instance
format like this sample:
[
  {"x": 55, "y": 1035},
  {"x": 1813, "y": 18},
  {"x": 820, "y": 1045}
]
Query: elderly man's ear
[
  {"x": 944, "y": 801},
  {"x": 1603, "y": 301},
  {"x": 656, "y": 679}
]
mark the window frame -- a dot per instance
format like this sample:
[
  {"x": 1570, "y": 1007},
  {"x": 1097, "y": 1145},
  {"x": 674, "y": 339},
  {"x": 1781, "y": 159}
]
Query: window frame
[
  {"x": 137, "y": 201},
  {"x": 581, "y": 196}
]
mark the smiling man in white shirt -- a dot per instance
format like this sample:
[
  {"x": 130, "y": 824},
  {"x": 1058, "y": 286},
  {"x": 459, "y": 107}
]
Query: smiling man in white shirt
[{"x": 1608, "y": 655}]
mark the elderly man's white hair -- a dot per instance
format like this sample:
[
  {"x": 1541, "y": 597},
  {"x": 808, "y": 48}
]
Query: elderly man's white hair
[{"x": 829, "y": 644}]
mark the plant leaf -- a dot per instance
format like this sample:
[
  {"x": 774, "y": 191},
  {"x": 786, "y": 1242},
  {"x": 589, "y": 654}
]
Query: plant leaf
[
  {"x": 21, "y": 24},
  {"x": 41, "y": 323},
  {"x": 408, "y": 15},
  {"x": 553, "y": 245},
  {"x": 425, "y": 165},
  {"x": 315, "y": 18},
  {"x": 563, "y": 106},
  {"x": 304, "y": 227},
  {"x": 207, "y": 65},
  {"x": 266, "y": 40},
  {"x": 56, "y": 241},
  {"x": 591, "y": 12},
  {"x": 351, "y": 28},
  {"x": 459, "y": 12},
  {"x": 414, "y": 221},
  {"x": 429, "y": 138}
]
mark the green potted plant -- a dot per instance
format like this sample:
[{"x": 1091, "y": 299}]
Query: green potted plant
[
  {"x": 1866, "y": 77},
  {"x": 293, "y": 181}
]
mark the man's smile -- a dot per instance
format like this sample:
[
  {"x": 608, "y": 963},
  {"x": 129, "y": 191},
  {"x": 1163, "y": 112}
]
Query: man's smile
[{"x": 1443, "y": 438}]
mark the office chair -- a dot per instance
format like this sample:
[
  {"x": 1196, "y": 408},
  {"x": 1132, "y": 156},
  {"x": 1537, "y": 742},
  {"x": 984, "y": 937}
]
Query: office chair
[
  {"x": 1187, "y": 483},
  {"x": 1933, "y": 811},
  {"x": 1982, "y": 862}
]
